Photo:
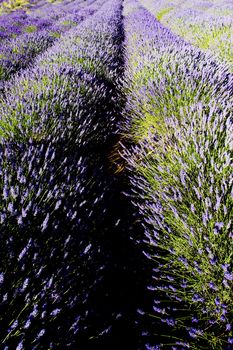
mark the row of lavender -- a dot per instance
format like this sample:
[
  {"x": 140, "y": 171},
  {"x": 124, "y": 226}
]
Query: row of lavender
[
  {"x": 18, "y": 52},
  {"x": 54, "y": 119},
  {"x": 178, "y": 116},
  {"x": 18, "y": 22}
]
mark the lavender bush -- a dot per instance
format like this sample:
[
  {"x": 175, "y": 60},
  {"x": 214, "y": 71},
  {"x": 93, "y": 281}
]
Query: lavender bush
[
  {"x": 179, "y": 116},
  {"x": 55, "y": 117}
]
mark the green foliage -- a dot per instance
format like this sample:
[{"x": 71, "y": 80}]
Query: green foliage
[
  {"x": 12, "y": 5},
  {"x": 30, "y": 29},
  {"x": 163, "y": 12},
  {"x": 68, "y": 23}
]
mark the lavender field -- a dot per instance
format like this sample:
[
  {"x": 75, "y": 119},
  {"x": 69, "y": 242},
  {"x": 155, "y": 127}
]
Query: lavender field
[{"x": 116, "y": 174}]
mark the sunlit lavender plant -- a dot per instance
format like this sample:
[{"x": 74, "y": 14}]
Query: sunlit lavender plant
[{"x": 179, "y": 115}]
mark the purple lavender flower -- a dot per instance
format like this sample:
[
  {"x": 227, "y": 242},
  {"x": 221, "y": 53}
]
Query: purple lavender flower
[
  {"x": 212, "y": 286},
  {"x": 45, "y": 223},
  {"x": 197, "y": 298},
  {"x": 55, "y": 312},
  {"x": 10, "y": 208},
  {"x": 20, "y": 346},
  {"x": 141, "y": 312},
  {"x": 41, "y": 333},
  {"x": 228, "y": 276}
]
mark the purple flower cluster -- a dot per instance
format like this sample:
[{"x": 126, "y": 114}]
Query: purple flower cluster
[
  {"x": 178, "y": 116},
  {"x": 56, "y": 117}
]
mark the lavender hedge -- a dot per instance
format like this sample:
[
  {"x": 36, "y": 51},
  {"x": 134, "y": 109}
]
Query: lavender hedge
[
  {"x": 178, "y": 120},
  {"x": 54, "y": 118}
]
